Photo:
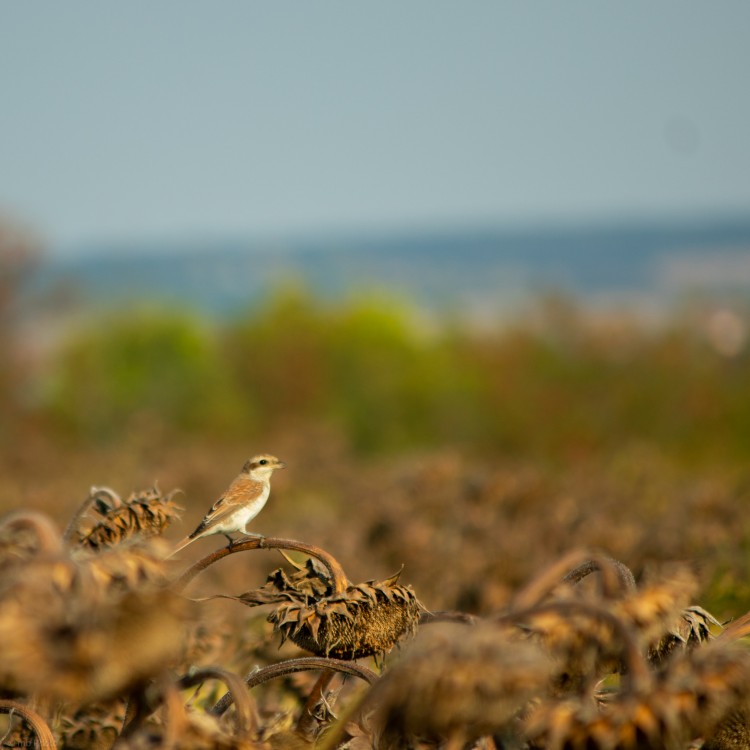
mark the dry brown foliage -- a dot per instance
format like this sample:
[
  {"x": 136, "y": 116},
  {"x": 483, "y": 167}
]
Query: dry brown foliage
[
  {"x": 146, "y": 513},
  {"x": 103, "y": 643},
  {"x": 366, "y": 619}
]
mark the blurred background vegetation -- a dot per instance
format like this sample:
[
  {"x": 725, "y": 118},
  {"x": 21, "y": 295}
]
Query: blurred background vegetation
[{"x": 471, "y": 456}]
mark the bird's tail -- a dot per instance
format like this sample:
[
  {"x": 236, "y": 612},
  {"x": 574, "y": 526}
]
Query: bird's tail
[{"x": 181, "y": 546}]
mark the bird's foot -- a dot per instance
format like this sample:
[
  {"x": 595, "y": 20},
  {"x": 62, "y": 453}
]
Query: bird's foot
[{"x": 246, "y": 536}]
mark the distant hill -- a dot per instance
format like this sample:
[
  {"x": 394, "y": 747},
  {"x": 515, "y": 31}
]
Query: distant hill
[{"x": 483, "y": 268}]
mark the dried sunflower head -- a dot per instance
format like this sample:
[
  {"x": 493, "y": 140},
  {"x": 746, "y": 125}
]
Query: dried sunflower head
[
  {"x": 592, "y": 632},
  {"x": 654, "y": 608},
  {"x": 586, "y": 640},
  {"x": 308, "y": 582},
  {"x": 95, "y": 728},
  {"x": 366, "y": 619},
  {"x": 692, "y": 628},
  {"x": 660, "y": 615},
  {"x": 732, "y": 733},
  {"x": 457, "y": 682},
  {"x": 126, "y": 566},
  {"x": 145, "y": 513},
  {"x": 700, "y": 692},
  {"x": 69, "y": 634},
  {"x": 710, "y": 684},
  {"x": 628, "y": 722}
]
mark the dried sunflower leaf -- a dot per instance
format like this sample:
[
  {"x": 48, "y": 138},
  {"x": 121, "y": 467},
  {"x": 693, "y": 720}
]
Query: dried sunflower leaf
[{"x": 314, "y": 625}]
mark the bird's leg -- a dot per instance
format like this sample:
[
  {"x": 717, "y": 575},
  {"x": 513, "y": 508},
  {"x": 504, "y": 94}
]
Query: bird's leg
[
  {"x": 252, "y": 535},
  {"x": 231, "y": 541}
]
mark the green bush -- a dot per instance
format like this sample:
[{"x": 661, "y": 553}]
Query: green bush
[
  {"x": 158, "y": 367},
  {"x": 556, "y": 391}
]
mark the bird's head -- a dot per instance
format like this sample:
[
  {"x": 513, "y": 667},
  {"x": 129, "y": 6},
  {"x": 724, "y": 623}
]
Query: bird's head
[{"x": 263, "y": 465}]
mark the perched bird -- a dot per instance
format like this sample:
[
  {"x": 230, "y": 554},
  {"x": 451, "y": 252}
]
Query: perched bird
[{"x": 242, "y": 501}]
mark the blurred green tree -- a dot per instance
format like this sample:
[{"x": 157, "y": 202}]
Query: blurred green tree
[{"x": 161, "y": 366}]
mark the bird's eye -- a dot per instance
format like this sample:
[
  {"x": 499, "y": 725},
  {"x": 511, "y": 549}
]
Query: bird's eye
[{"x": 262, "y": 462}]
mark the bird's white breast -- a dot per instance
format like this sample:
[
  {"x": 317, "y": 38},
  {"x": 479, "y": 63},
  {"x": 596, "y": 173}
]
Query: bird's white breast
[{"x": 246, "y": 514}]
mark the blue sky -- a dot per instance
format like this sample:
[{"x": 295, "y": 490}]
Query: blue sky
[{"x": 183, "y": 119}]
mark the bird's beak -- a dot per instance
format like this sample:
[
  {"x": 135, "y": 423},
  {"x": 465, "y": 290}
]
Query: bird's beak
[{"x": 281, "y": 465}]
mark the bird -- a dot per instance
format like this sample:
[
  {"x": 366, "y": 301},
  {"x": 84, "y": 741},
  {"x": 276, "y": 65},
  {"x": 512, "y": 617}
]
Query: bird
[{"x": 242, "y": 501}]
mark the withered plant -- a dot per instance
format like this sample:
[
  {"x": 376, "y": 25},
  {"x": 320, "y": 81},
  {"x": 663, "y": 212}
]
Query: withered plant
[
  {"x": 319, "y": 610},
  {"x": 181, "y": 727},
  {"x": 143, "y": 514},
  {"x": 455, "y": 683},
  {"x": 95, "y": 726},
  {"x": 87, "y": 623},
  {"x": 33, "y": 732},
  {"x": 580, "y": 656},
  {"x": 82, "y": 629}
]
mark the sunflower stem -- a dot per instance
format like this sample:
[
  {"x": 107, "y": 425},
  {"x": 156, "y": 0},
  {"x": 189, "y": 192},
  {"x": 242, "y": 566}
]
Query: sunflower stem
[
  {"x": 306, "y": 722},
  {"x": 338, "y": 577},
  {"x": 83, "y": 508},
  {"x": 616, "y": 577},
  {"x": 303, "y": 664},
  {"x": 45, "y": 738}
]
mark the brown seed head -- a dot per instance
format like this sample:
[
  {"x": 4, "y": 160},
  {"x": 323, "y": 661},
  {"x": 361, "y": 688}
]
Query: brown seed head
[
  {"x": 458, "y": 681},
  {"x": 95, "y": 728},
  {"x": 364, "y": 620},
  {"x": 711, "y": 682},
  {"x": 692, "y": 628},
  {"x": 145, "y": 513},
  {"x": 77, "y": 631},
  {"x": 627, "y": 723},
  {"x": 655, "y": 609},
  {"x": 127, "y": 566},
  {"x": 699, "y": 693}
]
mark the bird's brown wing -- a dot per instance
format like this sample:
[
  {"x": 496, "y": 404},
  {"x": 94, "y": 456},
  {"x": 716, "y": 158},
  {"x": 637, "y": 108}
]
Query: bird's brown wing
[{"x": 240, "y": 492}]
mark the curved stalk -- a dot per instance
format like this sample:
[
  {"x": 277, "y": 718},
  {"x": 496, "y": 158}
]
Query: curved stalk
[
  {"x": 94, "y": 495},
  {"x": 338, "y": 577},
  {"x": 303, "y": 664},
  {"x": 141, "y": 706},
  {"x": 246, "y": 716},
  {"x": 306, "y": 722},
  {"x": 617, "y": 578},
  {"x": 44, "y": 529},
  {"x": 573, "y": 567},
  {"x": 45, "y": 738},
  {"x": 174, "y": 713},
  {"x": 137, "y": 710},
  {"x": 736, "y": 629}
]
